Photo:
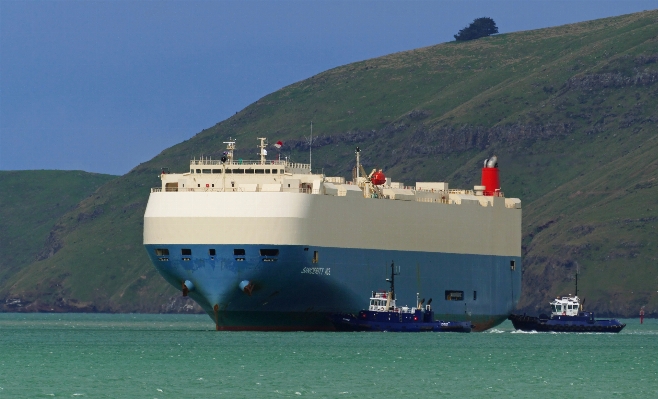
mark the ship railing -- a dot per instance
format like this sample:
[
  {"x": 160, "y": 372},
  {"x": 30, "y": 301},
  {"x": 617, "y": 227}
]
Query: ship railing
[
  {"x": 231, "y": 190},
  {"x": 201, "y": 162},
  {"x": 436, "y": 200}
]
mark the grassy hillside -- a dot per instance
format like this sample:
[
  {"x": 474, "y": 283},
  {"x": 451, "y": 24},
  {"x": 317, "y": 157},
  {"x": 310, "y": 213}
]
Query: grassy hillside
[
  {"x": 570, "y": 111},
  {"x": 30, "y": 205}
]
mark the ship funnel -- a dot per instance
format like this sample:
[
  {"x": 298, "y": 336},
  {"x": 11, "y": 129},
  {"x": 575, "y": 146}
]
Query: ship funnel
[
  {"x": 187, "y": 287},
  {"x": 490, "y": 176}
]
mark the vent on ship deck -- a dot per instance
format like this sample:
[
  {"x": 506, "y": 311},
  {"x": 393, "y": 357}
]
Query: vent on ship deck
[{"x": 454, "y": 295}]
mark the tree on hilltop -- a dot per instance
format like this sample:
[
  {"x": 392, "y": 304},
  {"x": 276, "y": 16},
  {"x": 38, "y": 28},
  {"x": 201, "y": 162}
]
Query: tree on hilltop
[{"x": 480, "y": 27}]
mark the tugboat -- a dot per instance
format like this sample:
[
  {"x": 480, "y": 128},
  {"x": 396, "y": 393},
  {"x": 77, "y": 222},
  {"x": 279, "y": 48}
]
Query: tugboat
[
  {"x": 384, "y": 315},
  {"x": 567, "y": 315}
]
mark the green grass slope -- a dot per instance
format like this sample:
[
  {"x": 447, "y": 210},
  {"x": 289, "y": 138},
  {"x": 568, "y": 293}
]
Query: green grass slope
[
  {"x": 570, "y": 111},
  {"x": 30, "y": 205}
]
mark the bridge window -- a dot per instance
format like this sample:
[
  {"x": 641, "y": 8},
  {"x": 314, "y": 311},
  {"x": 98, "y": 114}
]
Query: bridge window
[
  {"x": 259, "y": 171},
  {"x": 250, "y": 171},
  {"x": 211, "y": 252},
  {"x": 216, "y": 171},
  {"x": 206, "y": 171},
  {"x": 198, "y": 171},
  {"x": 267, "y": 171},
  {"x": 161, "y": 252},
  {"x": 238, "y": 252},
  {"x": 186, "y": 251},
  {"x": 454, "y": 295},
  {"x": 229, "y": 171},
  {"x": 238, "y": 170},
  {"x": 274, "y": 171}
]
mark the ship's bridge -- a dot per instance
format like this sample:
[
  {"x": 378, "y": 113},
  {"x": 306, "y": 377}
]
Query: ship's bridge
[{"x": 228, "y": 174}]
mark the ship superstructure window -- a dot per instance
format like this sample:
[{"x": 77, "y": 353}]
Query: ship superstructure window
[
  {"x": 238, "y": 252},
  {"x": 198, "y": 171},
  {"x": 267, "y": 171},
  {"x": 161, "y": 252},
  {"x": 512, "y": 265},
  {"x": 228, "y": 171},
  {"x": 259, "y": 171},
  {"x": 186, "y": 251},
  {"x": 316, "y": 257},
  {"x": 269, "y": 252},
  {"x": 454, "y": 295},
  {"x": 274, "y": 171},
  {"x": 238, "y": 170},
  {"x": 475, "y": 295},
  {"x": 251, "y": 171},
  {"x": 211, "y": 252},
  {"x": 216, "y": 171},
  {"x": 206, "y": 171}
]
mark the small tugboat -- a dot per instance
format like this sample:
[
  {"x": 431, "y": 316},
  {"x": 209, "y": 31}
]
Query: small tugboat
[
  {"x": 567, "y": 315},
  {"x": 384, "y": 315}
]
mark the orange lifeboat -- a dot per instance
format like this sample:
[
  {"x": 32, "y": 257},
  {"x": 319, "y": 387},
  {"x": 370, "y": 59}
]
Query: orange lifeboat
[{"x": 378, "y": 178}]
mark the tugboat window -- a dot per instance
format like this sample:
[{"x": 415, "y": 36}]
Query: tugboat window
[{"x": 454, "y": 295}]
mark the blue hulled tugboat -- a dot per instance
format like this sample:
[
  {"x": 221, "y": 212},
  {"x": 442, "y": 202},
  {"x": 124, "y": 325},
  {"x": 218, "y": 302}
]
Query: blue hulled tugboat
[
  {"x": 566, "y": 316},
  {"x": 384, "y": 315}
]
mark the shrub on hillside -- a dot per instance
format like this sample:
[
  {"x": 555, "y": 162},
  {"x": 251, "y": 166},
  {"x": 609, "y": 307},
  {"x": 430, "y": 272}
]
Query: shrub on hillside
[{"x": 480, "y": 27}]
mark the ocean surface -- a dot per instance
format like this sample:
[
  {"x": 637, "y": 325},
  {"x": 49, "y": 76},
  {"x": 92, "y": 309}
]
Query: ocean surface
[{"x": 181, "y": 356}]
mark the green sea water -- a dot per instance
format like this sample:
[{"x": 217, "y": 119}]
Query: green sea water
[{"x": 181, "y": 356}]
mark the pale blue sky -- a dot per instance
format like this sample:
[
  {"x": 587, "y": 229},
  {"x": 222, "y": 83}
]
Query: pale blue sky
[{"x": 105, "y": 85}]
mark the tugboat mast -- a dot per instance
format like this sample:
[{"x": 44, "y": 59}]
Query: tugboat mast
[{"x": 392, "y": 279}]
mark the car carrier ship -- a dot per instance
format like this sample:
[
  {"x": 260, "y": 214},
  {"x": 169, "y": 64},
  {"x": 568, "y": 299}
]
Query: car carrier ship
[{"x": 269, "y": 245}]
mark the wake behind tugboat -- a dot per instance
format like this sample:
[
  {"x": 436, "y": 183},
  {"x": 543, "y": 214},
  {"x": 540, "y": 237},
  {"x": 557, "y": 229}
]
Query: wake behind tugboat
[{"x": 384, "y": 315}]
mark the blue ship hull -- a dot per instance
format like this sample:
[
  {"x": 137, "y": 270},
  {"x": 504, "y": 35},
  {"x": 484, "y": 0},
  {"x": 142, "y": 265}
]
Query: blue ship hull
[
  {"x": 395, "y": 322},
  {"x": 300, "y": 287},
  {"x": 584, "y": 322}
]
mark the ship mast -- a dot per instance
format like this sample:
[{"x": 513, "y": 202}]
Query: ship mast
[
  {"x": 392, "y": 279},
  {"x": 263, "y": 151}
]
